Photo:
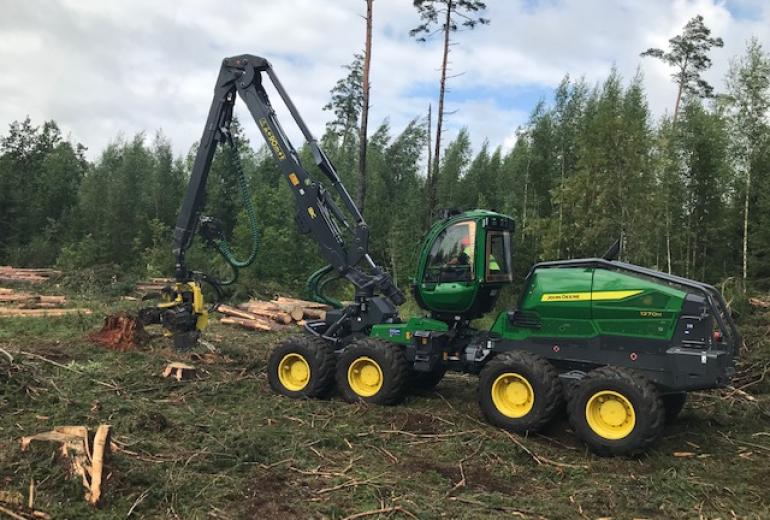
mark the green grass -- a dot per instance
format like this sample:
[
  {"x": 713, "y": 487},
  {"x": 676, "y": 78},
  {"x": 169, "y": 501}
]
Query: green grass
[{"x": 223, "y": 446}]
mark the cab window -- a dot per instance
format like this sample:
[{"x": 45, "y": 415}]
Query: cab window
[
  {"x": 452, "y": 255},
  {"x": 498, "y": 256}
]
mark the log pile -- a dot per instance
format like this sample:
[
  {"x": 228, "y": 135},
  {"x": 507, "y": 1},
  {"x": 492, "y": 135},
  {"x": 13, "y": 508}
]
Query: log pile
[
  {"x": 153, "y": 285},
  {"x": 27, "y": 304},
  {"x": 278, "y": 314},
  {"x": 10, "y": 274}
]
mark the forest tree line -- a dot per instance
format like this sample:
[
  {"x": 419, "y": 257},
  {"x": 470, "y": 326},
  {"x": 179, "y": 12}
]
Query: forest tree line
[{"x": 685, "y": 192}]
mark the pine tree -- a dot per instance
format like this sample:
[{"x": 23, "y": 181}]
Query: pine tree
[
  {"x": 688, "y": 54},
  {"x": 449, "y": 16}
]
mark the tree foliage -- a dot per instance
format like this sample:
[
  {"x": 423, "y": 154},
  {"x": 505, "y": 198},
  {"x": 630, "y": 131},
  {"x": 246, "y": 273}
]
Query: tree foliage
[
  {"x": 689, "y": 55},
  {"x": 589, "y": 166}
]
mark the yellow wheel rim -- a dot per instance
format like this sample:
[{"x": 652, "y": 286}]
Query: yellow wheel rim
[
  {"x": 294, "y": 372},
  {"x": 610, "y": 415},
  {"x": 512, "y": 395},
  {"x": 365, "y": 376}
]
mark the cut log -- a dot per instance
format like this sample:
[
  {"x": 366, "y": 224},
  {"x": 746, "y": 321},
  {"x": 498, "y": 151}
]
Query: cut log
[
  {"x": 35, "y": 304},
  {"x": 43, "y": 271},
  {"x": 61, "y": 300},
  {"x": 33, "y": 301},
  {"x": 101, "y": 444},
  {"x": 248, "y": 324},
  {"x": 15, "y": 297},
  {"x": 232, "y": 311},
  {"x": 37, "y": 313},
  {"x": 179, "y": 371},
  {"x": 757, "y": 302},
  {"x": 295, "y": 311},
  {"x": 150, "y": 287},
  {"x": 264, "y": 312},
  {"x": 314, "y": 314},
  {"x": 301, "y": 303},
  {"x": 6, "y": 278},
  {"x": 259, "y": 304}
]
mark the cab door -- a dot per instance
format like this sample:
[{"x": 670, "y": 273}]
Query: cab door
[{"x": 448, "y": 281}]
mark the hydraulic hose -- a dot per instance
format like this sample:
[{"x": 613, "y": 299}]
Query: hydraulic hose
[
  {"x": 316, "y": 285},
  {"x": 223, "y": 247}
]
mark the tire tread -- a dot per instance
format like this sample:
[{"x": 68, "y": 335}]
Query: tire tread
[
  {"x": 650, "y": 406},
  {"x": 321, "y": 356},
  {"x": 542, "y": 371},
  {"x": 395, "y": 365}
]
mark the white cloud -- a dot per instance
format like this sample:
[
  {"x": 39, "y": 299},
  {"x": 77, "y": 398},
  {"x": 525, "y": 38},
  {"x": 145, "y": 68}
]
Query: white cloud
[{"x": 106, "y": 68}]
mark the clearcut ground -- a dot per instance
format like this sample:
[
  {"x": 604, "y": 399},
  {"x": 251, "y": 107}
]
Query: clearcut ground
[{"x": 223, "y": 446}]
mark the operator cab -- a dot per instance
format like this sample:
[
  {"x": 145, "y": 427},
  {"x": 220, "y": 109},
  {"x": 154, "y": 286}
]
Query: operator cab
[{"x": 464, "y": 263}]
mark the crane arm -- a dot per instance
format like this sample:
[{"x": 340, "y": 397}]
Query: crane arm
[{"x": 342, "y": 236}]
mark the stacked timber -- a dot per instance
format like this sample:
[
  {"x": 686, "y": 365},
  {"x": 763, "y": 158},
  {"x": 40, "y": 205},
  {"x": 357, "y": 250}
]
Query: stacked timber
[
  {"x": 278, "y": 314},
  {"x": 153, "y": 285},
  {"x": 10, "y": 274},
  {"x": 26, "y": 304}
]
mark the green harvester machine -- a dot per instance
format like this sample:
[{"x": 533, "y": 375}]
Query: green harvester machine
[{"x": 620, "y": 344}]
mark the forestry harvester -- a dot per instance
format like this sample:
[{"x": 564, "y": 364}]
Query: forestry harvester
[{"x": 621, "y": 344}]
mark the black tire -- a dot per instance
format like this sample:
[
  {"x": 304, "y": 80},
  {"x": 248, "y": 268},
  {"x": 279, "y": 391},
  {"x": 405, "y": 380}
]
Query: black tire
[
  {"x": 316, "y": 353},
  {"x": 377, "y": 356},
  {"x": 426, "y": 381},
  {"x": 673, "y": 404},
  {"x": 623, "y": 387},
  {"x": 543, "y": 396}
]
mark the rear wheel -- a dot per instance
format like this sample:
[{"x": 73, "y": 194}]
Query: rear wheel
[
  {"x": 616, "y": 411},
  {"x": 373, "y": 371},
  {"x": 301, "y": 366},
  {"x": 519, "y": 391},
  {"x": 673, "y": 403}
]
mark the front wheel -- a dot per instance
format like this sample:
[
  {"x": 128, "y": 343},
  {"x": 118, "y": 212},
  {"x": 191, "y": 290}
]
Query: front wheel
[
  {"x": 301, "y": 366},
  {"x": 519, "y": 391},
  {"x": 616, "y": 412},
  {"x": 373, "y": 371}
]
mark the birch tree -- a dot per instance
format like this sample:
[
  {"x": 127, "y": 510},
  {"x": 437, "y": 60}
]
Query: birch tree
[{"x": 748, "y": 85}]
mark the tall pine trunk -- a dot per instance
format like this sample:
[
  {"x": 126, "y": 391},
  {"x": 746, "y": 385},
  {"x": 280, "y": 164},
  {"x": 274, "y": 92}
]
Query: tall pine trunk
[
  {"x": 440, "y": 116},
  {"x": 681, "y": 82},
  {"x": 430, "y": 153},
  {"x": 362, "y": 141}
]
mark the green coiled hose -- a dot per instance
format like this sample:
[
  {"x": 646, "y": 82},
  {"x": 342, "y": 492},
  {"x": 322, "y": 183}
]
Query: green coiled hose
[{"x": 223, "y": 247}]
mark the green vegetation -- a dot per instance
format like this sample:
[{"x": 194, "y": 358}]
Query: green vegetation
[
  {"x": 686, "y": 195},
  {"x": 223, "y": 446}
]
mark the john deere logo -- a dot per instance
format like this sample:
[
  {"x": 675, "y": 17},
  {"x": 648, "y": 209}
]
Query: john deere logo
[{"x": 588, "y": 296}]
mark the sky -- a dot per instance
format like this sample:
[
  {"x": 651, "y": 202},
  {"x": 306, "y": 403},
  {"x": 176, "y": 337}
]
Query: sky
[{"x": 103, "y": 69}]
